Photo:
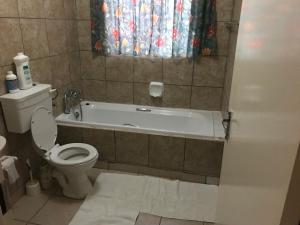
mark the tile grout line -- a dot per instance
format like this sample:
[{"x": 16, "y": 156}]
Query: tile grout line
[
  {"x": 41, "y": 58},
  {"x": 184, "y": 151},
  {"x": 193, "y": 74},
  {"x": 133, "y": 73},
  {"x": 148, "y": 165},
  {"x": 37, "y": 212},
  {"x": 142, "y": 82},
  {"x": 20, "y": 27},
  {"x": 160, "y": 219},
  {"x": 115, "y": 146}
]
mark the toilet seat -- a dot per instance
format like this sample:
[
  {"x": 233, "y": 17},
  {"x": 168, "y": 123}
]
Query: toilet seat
[
  {"x": 71, "y": 154},
  {"x": 43, "y": 129},
  {"x": 44, "y": 133}
]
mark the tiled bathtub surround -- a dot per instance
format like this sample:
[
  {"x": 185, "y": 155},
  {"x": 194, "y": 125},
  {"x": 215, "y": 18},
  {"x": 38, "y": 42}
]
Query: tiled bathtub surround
[
  {"x": 197, "y": 84},
  {"x": 46, "y": 31},
  {"x": 157, "y": 153}
]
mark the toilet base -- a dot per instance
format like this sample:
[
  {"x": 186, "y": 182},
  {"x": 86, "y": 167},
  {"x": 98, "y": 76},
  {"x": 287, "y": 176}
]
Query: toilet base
[
  {"x": 75, "y": 186},
  {"x": 78, "y": 187}
]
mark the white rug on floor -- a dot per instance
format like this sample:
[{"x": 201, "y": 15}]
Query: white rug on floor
[{"x": 117, "y": 199}]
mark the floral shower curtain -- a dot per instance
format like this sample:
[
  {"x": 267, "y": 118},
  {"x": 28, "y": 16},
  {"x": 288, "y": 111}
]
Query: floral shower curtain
[{"x": 163, "y": 28}]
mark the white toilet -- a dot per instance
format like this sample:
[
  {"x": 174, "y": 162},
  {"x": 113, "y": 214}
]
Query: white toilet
[
  {"x": 71, "y": 161},
  {"x": 32, "y": 108}
]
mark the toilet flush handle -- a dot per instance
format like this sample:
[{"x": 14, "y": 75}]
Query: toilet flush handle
[{"x": 54, "y": 93}]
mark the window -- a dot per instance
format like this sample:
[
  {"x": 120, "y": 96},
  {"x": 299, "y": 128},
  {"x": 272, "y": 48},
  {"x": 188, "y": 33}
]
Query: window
[{"x": 162, "y": 28}]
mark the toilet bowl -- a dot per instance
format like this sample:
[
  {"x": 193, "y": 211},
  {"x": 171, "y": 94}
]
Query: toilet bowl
[{"x": 70, "y": 161}]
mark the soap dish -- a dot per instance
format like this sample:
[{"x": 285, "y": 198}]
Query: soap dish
[{"x": 156, "y": 89}]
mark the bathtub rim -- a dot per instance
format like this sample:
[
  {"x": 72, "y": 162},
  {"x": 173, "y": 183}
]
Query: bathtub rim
[{"x": 61, "y": 120}]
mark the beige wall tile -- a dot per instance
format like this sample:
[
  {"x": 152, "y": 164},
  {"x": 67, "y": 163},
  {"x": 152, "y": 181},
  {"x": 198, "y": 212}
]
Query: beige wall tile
[
  {"x": 177, "y": 96},
  {"x": 203, "y": 157},
  {"x": 56, "y": 31},
  {"x": 224, "y": 10},
  {"x": 178, "y": 71},
  {"x": 70, "y": 9},
  {"x": 83, "y": 9},
  {"x": 3, "y": 73},
  {"x": 9, "y": 8},
  {"x": 54, "y": 9},
  {"x": 119, "y": 68},
  {"x": 142, "y": 97},
  {"x": 223, "y": 35},
  {"x": 31, "y": 8},
  {"x": 124, "y": 168},
  {"x": 75, "y": 72},
  {"x": 60, "y": 70},
  {"x": 10, "y": 40},
  {"x": 213, "y": 180},
  {"x": 237, "y": 10},
  {"x": 67, "y": 135},
  {"x": 2, "y": 82},
  {"x": 35, "y": 37},
  {"x": 132, "y": 148},
  {"x": 166, "y": 152},
  {"x": 167, "y": 221},
  {"x": 58, "y": 103},
  {"x": 147, "y": 69},
  {"x": 41, "y": 70},
  {"x": 147, "y": 219},
  {"x": 103, "y": 165},
  {"x": 209, "y": 71},
  {"x": 92, "y": 67},
  {"x": 103, "y": 141},
  {"x": 192, "y": 178},
  {"x": 71, "y": 35},
  {"x": 84, "y": 32},
  {"x": 94, "y": 90},
  {"x": 206, "y": 98},
  {"x": 119, "y": 92},
  {"x": 77, "y": 84}
]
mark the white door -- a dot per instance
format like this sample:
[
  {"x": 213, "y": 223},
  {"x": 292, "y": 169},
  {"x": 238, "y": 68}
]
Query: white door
[{"x": 265, "y": 100}]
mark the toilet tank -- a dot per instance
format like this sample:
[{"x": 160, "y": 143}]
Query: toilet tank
[{"x": 18, "y": 107}]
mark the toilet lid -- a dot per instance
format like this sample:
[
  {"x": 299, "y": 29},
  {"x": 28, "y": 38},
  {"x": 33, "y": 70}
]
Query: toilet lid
[{"x": 43, "y": 128}]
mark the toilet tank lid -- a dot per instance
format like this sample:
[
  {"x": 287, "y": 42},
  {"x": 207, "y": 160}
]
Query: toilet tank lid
[{"x": 23, "y": 95}]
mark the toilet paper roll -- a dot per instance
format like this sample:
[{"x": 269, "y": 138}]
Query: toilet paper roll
[{"x": 9, "y": 167}]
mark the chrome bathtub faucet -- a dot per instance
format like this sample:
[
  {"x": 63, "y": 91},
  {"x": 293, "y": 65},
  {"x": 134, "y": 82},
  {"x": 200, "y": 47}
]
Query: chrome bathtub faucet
[
  {"x": 72, "y": 98},
  {"x": 143, "y": 110}
]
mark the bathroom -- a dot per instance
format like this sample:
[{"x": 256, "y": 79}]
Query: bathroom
[{"x": 56, "y": 35}]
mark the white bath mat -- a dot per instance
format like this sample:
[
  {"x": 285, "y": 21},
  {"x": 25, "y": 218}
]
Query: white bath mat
[{"x": 117, "y": 199}]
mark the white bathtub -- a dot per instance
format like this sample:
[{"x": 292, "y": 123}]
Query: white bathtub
[{"x": 196, "y": 124}]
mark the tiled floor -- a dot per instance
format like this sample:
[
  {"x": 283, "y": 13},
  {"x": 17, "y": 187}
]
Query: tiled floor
[{"x": 54, "y": 209}]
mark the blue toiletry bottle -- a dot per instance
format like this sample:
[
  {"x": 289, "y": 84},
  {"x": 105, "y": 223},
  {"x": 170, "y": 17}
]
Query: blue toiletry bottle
[{"x": 11, "y": 82}]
